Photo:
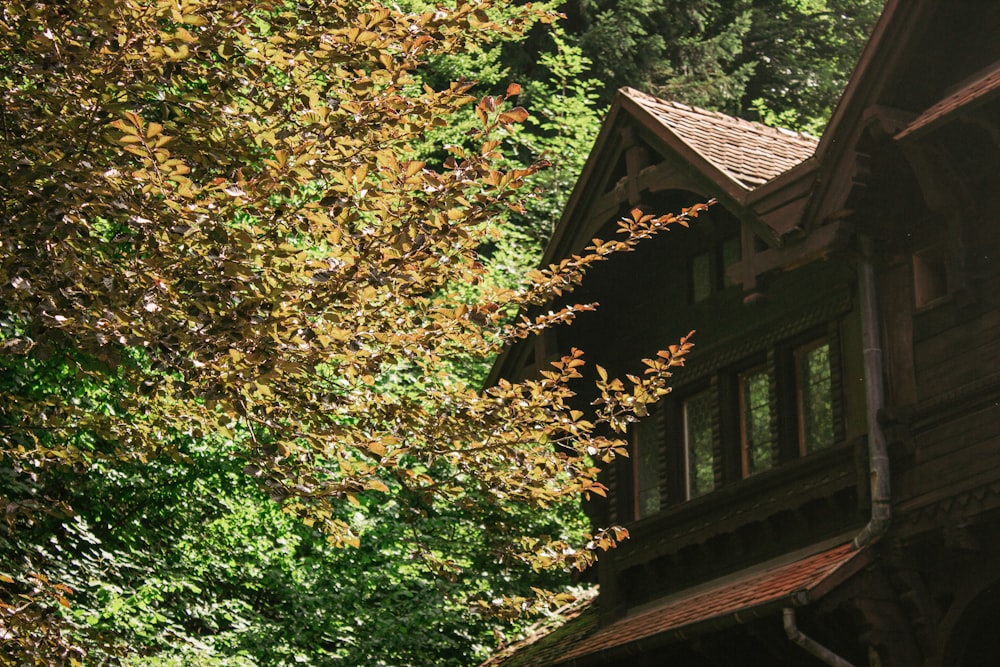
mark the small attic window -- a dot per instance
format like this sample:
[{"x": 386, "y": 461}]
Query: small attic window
[
  {"x": 701, "y": 277},
  {"x": 732, "y": 253},
  {"x": 930, "y": 275},
  {"x": 708, "y": 269}
]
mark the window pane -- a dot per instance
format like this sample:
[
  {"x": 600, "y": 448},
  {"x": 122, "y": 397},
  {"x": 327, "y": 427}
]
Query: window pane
[
  {"x": 699, "y": 418},
  {"x": 647, "y": 467},
  {"x": 815, "y": 394},
  {"x": 930, "y": 275},
  {"x": 731, "y": 254},
  {"x": 755, "y": 403},
  {"x": 701, "y": 277}
]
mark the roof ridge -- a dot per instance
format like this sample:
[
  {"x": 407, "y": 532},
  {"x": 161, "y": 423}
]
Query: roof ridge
[
  {"x": 747, "y": 152},
  {"x": 756, "y": 125}
]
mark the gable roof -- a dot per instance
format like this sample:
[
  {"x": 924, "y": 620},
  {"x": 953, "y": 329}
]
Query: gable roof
[
  {"x": 717, "y": 156},
  {"x": 749, "y": 153},
  {"x": 762, "y": 590}
]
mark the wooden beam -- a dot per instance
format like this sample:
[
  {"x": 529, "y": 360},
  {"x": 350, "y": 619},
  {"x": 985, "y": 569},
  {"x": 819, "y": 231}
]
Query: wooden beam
[{"x": 815, "y": 245}]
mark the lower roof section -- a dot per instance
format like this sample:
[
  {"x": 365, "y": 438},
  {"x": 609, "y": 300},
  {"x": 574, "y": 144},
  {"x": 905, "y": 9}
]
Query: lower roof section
[{"x": 791, "y": 581}]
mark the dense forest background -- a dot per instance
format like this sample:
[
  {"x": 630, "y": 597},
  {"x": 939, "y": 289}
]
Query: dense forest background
[{"x": 184, "y": 559}]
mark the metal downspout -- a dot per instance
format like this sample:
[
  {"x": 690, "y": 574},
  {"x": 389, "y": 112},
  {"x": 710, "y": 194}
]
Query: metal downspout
[
  {"x": 878, "y": 454},
  {"x": 809, "y": 644}
]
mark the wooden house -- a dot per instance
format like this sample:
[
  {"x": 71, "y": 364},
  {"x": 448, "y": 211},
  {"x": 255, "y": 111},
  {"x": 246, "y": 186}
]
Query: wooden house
[{"x": 823, "y": 484}]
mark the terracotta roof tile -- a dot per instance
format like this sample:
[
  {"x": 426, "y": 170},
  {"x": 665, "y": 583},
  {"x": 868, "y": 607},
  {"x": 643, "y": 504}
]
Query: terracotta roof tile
[
  {"x": 749, "y": 153},
  {"x": 979, "y": 88},
  {"x": 769, "y": 583}
]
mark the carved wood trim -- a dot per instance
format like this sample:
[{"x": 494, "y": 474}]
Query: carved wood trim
[{"x": 713, "y": 358}]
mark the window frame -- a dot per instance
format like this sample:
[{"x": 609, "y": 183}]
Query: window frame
[
  {"x": 780, "y": 360},
  {"x": 798, "y": 353},
  {"x": 707, "y": 269},
  {"x": 637, "y": 446},
  {"x": 711, "y": 395},
  {"x": 933, "y": 282},
  {"x": 743, "y": 411}
]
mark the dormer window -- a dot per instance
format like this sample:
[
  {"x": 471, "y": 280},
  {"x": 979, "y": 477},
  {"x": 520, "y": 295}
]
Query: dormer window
[
  {"x": 732, "y": 253},
  {"x": 702, "y": 277}
]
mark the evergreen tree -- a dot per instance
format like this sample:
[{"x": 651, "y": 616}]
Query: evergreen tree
[
  {"x": 802, "y": 53},
  {"x": 782, "y": 61}
]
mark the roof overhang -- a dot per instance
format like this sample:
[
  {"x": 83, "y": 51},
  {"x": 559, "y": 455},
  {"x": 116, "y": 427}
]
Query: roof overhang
[
  {"x": 980, "y": 89},
  {"x": 794, "y": 580}
]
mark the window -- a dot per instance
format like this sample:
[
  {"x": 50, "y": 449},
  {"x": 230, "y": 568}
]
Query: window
[
  {"x": 814, "y": 381},
  {"x": 756, "y": 446},
  {"x": 708, "y": 269},
  {"x": 646, "y": 459},
  {"x": 732, "y": 253},
  {"x": 930, "y": 275},
  {"x": 701, "y": 277},
  {"x": 778, "y": 404},
  {"x": 699, "y": 419}
]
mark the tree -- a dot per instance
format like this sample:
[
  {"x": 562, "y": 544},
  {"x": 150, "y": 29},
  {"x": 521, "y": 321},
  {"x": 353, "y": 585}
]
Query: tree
[
  {"x": 215, "y": 228},
  {"x": 174, "y": 563},
  {"x": 686, "y": 50},
  {"x": 803, "y": 53},
  {"x": 782, "y": 61}
]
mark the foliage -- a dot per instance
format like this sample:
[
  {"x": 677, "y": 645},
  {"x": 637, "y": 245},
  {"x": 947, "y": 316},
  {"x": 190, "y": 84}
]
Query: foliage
[
  {"x": 194, "y": 565},
  {"x": 221, "y": 253},
  {"x": 564, "y": 123},
  {"x": 804, "y": 52},
  {"x": 564, "y": 120},
  {"x": 681, "y": 49},
  {"x": 783, "y": 61}
]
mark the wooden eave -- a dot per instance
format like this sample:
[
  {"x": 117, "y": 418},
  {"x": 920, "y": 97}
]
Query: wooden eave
[
  {"x": 885, "y": 53},
  {"x": 791, "y": 189},
  {"x": 602, "y": 158},
  {"x": 728, "y": 190},
  {"x": 967, "y": 96}
]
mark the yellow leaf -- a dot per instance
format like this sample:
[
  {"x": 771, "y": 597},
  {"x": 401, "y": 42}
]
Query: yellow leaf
[
  {"x": 413, "y": 167},
  {"x": 377, "y": 485}
]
